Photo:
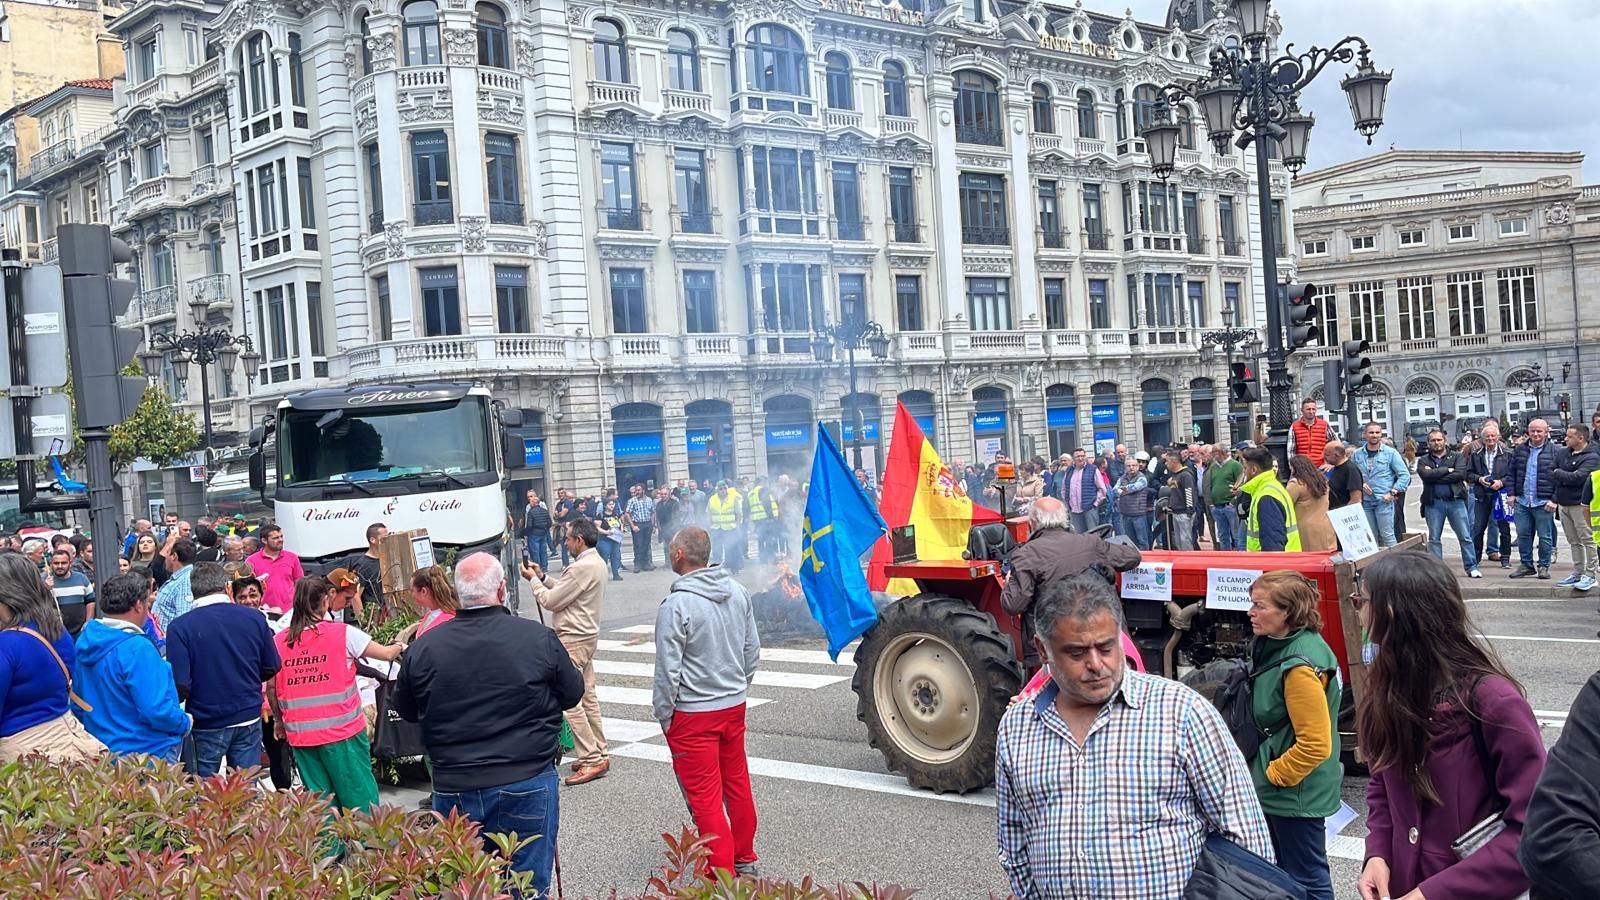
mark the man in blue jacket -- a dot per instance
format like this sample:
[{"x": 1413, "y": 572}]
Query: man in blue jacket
[
  {"x": 120, "y": 674},
  {"x": 1533, "y": 490}
]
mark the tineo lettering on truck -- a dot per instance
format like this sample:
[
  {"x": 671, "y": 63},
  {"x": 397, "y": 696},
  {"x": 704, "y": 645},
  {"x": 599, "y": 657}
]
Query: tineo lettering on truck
[{"x": 371, "y": 397}]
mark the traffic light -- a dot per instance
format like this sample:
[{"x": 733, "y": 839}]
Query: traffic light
[
  {"x": 1356, "y": 365},
  {"x": 1303, "y": 317},
  {"x": 99, "y": 346},
  {"x": 1242, "y": 384},
  {"x": 1332, "y": 382}
]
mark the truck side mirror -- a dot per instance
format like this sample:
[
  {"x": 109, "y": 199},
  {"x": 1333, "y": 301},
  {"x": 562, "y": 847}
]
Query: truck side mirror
[
  {"x": 258, "y": 472},
  {"x": 510, "y": 418}
]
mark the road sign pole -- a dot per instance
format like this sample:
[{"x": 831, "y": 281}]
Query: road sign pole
[{"x": 102, "y": 502}]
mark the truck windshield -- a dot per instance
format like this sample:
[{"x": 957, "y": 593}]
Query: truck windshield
[{"x": 384, "y": 443}]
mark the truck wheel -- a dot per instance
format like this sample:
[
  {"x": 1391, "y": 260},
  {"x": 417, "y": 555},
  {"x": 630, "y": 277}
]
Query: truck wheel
[{"x": 933, "y": 677}]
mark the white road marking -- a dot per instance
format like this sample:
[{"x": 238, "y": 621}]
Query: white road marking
[
  {"x": 642, "y": 697},
  {"x": 628, "y": 731},
  {"x": 1552, "y": 640},
  {"x": 802, "y": 680},
  {"x": 1550, "y": 718},
  {"x": 768, "y": 654},
  {"x": 1521, "y": 599},
  {"x": 646, "y": 628}
]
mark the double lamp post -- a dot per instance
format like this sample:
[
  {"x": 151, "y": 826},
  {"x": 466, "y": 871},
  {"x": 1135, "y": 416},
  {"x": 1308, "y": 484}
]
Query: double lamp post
[
  {"x": 203, "y": 346},
  {"x": 1256, "y": 94}
]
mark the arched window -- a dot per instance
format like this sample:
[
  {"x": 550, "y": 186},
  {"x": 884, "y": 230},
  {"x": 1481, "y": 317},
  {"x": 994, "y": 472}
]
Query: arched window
[
  {"x": 777, "y": 60},
  {"x": 494, "y": 47},
  {"x": 840, "y": 93},
  {"x": 978, "y": 109},
  {"x": 259, "y": 92},
  {"x": 1185, "y": 128},
  {"x": 895, "y": 100},
  {"x": 421, "y": 19},
  {"x": 610, "y": 52},
  {"x": 1144, "y": 107},
  {"x": 683, "y": 61},
  {"x": 1044, "y": 114},
  {"x": 1122, "y": 115},
  {"x": 1088, "y": 118},
  {"x": 366, "y": 45}
]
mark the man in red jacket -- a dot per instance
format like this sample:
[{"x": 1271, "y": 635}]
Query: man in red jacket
[{"x": 1309, "y": 433}]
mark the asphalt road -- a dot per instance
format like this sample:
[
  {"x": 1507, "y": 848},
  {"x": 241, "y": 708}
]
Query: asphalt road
[{"x": 830, "y": 809}]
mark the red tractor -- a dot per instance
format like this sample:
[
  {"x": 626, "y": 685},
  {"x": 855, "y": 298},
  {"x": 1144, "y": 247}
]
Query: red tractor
[{"x": 938, "y": 670}]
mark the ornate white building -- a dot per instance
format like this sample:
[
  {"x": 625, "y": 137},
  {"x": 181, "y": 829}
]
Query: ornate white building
[{"x": 632, "y": 217}]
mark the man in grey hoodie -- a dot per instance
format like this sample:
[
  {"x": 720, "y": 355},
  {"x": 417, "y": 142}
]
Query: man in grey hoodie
[{"x": 707, "y": 649}]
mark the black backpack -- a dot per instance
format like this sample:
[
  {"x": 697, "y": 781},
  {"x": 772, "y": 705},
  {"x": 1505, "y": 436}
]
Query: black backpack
[{"x": 1229, "y": 685}]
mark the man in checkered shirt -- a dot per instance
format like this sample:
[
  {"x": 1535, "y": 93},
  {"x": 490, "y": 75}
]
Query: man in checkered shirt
[{"x": 1109, "y": 780}]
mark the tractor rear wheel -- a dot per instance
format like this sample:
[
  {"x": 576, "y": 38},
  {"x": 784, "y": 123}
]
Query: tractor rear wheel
[{"x": 933, "y": 677}]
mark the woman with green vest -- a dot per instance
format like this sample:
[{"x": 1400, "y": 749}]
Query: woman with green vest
[
  {"x": 1295, "y": 695},
  {"x": 1271, "y": 524}
]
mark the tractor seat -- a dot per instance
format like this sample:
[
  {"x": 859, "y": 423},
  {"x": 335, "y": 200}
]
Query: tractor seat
[{"x": 991, "y": 541}]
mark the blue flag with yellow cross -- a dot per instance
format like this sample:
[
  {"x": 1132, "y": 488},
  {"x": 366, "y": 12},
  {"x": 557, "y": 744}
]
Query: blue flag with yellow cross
[{"x": 840, "y": 524}]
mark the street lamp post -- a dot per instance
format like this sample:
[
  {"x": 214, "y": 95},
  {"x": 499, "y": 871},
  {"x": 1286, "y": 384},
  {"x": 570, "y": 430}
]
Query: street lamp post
[
  {"x": 1537, "y": 381},
  {"x": 203, "y": 346},
  {"x": 854, "y": 332},
  {"x": 1229, "y": 338},
  {"x": 1251, "y": 92}
]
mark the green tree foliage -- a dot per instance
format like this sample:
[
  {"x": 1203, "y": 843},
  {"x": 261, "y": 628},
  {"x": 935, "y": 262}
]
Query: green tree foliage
[{"x": 156, "y": 431}]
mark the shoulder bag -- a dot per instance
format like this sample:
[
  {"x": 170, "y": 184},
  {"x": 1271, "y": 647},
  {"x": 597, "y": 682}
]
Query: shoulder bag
[{"x": 76, "y": 700}]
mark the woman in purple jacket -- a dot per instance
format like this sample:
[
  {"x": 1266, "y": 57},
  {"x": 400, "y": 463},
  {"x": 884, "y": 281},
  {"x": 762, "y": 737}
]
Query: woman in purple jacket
[{"x": 1434, "y": 696}]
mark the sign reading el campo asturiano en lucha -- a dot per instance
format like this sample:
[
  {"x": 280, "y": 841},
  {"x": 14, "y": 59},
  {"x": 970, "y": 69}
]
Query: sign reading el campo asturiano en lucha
[{"x": 1230, "y": 588}]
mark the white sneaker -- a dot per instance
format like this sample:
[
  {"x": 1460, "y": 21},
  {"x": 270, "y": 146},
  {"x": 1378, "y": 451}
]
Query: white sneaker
[{"x": 1474, "y": 574}]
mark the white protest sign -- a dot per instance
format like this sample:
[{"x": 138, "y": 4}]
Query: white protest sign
[
  {"x": 1355, "y": 533},
  {"x": 1148, "y": 581},
  {"x": 1230, "y": 588}
]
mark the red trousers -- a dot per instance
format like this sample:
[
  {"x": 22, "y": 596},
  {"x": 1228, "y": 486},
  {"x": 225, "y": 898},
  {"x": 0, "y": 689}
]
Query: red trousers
[{"x": 708, "y": 758}]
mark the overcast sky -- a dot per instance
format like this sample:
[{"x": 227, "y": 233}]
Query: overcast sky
[{"x": 1479, "y": 74}]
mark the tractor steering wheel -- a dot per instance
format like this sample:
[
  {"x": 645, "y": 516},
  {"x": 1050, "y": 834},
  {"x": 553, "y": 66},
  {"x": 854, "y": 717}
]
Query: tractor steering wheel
[{"x": 1103, "y": 530}]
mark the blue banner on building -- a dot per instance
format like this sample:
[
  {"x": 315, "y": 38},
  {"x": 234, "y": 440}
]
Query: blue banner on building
[
  {"x": 533, "y": 451},
  {"x": 868, "y": 433},
  {"x": 1158, "y": 409},
  {"x": 1105, "y": 414},
  {"x": 989, "y": 422},
  {"x": 698, "y": 440},
  {"x": 636, "y": 446},
  {"x": 926, "y": 424},
  {"x": 788, "y": 436},
  {"x": 1061, "y": 417}
]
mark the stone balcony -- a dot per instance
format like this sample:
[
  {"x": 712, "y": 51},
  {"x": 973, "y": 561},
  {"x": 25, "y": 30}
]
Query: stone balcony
[
  {"x": 214, "y": 289},
  {"x": 687, "y": 101},
  {"x": 610, "y": 93},
  {"x": 462, "y": 355},
  {"x": 156, "y": 304}
]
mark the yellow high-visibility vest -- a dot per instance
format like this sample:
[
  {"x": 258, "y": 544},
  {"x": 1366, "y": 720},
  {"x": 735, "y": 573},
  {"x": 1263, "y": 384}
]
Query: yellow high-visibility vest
[
  {"x": 1262, "y": 486},
  {"x": 724, "y": 512}
]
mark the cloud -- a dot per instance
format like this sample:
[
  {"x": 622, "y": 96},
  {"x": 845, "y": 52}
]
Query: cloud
[{"x": 1473, "y": 74}]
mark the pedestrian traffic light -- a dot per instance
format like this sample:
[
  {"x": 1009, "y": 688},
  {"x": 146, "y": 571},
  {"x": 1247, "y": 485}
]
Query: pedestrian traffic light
[
  {"x": 1303, "y": 317},
  {"x": 1242, "y": 384},
  {"x": 99, "y": 347},
  {"x": 1356, "y": 365},
  {"x": 1332, "y": 382}
]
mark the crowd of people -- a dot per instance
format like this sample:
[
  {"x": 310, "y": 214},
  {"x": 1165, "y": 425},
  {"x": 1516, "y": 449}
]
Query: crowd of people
[{"x": 214, "y": 650}]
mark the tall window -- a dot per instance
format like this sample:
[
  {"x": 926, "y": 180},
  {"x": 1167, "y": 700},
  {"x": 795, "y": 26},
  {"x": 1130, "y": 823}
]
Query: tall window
[
  {"x": 366, "y": 58},
  {"x": 308, "y": 199},
  {"x": 1160, "y": 296},
  {"x": 852, "y": 298},
  {"x": 1366, "y": 312},
  {"x": 1044, "y": 114},
  {"x": 1094, "y": 225},
  {"x": 297, "y": 74},
  {"x": 847, "y": 202},
  {"x": 421, "y": 18},
  {"x": 785, "y": 183},
  {"x": 908, "y": 302},
  {"x": 374, "y": 188},
  {"x": 1519, "y": 305},
  {"x": 610, "y": 52},
  {"x": 1230, "y": 303},
  {"x": 1144, "y": 108},
  {"x": 152, "y": 160},
  {"x": 683, "y": 61},
  {"x": 161, "y": 263},
  {"x": 384, "y": 307},
  {"x": 989, "y": 304},
  {"x": 1227, "y": 228},
  {"x": 1088, "y": 117},
  {"x": 1191, "y": 220},
  {"x": 1277, "y": 227},
  {"x": 274, "y": 323},
  {"x": 627, "y": 302},
  {"x": 261, "y": 75},
  {"x": 430, "y": 177},
  {"x": 618, "y": 189},
  {"x": 1050, "y": 215},
  {"x": 1055, "y": 304},
  {"x": 1099, "y": 303},
  {"x": 1416, "y": 308},
  {"x": 441, "y": 301},
  {"x": 213, "y": 246},
  {"x": 208, "y": 147},
  {"x": 1464, "y": 297},
  {"x": 841, "y": 94},
  {"x": 896, "y": 102},
  {"x": 791, "y": 296},
  {"x": 511, "y": 299},
  {"x": 314, "y": 319},
  {"x": 700, "y": 301},
  {"x": 1185, "y": 128},
  {"x": 146, "y": 59},
  {"x": 494, "y": 46},
  {"x": 972, "y": 10},
  {"x": 1122, "y": 115},
  {"x": 777, "y": 60},
  {"x": 978, "y": 118},
  {"x": 500, "y": 168},
  {"x": 694, "y": 199},
  {"x": 1158, "y": 207},
  {"x": 1197, "y": 303},
  {"x": 1328, "y": 302},
  {"x": 983, "y": 209},
  {"x": 903, "y": 204}
]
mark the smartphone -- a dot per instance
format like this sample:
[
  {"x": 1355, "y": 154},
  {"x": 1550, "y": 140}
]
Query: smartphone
[{"x": 527, "y": 560}]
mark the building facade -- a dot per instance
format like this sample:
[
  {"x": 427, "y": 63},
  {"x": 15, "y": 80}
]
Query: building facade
[
  {"x": 45, "y": 43},
  {"x": 1472, "y": 274},
  {"x": 632, "y": 219}
]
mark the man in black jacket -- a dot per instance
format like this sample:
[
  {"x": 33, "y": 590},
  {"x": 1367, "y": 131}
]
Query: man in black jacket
[
  {"x": 488, "y": 689},
  {"x": 535, "y": 530},
  {"x": 1560, "y": 843},
  {"x": 1490, "y": 470},
  {"x": 1532, "y": 488},
  {"x": 1444, "y": 496},
  {"x": 1182, "y": 501},
  {"x": 1575, "y": 463}
]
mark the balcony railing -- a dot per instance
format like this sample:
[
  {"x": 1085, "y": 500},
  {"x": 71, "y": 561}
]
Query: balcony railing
[
  {"x": 210, "y": 288},
  {"x": 843, "y": 118},
  {"x": 423, "y": 77},
  {"x": 49, "y": 251},
  {"x": 694, "y": 223},
  {"x": 1000, "y": 235},
  {"x": 59, "y": 153},
  {"x": 897, "y": 124},
  {"x": 1232, "y": 246},
  {"x": 459, "y": 355},
  {"x": 640, "y": 349},
  {"x": 499, "y": 79},
  {"x": 505, "y": 212},
  {"x": 621, "y": 218},
  {"x": 687, "y": 101},
  {"x": 203, "y": 180},
  {"x": 1096, "y": 240},
  {"x": 606, "y": 92},
  {"x": 990, "y": 135},
  {"x": 1198, "y": 246},
  {"x": 920, "y": 344},
  {"x": 1053, "y": 238},
  {"x": 706, "y": 348},
  {"x": 1090, "y": 146},
  {"x": 205, "y": 73},
  {"x": 907, "y": 233},
  {"x": 998, "y": 341},
  {"x": 158, "y": 302},
  {"x": 849, "y": 231},
  {"x": 375, "y": 222},
  {"x": 433, "y": 212},
  {"x": 1045, "y": 142}
]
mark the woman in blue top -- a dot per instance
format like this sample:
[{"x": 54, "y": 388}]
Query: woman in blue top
[{"x": 35, "y": 657}]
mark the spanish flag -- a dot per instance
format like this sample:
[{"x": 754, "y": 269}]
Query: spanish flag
[{"x": 919, "y": 489}]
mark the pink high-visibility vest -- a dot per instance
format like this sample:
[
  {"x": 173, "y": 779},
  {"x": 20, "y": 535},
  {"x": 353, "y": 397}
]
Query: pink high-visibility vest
[
  {"x": 434, "y": 619},
  {"x": 317, "y": 687}
]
